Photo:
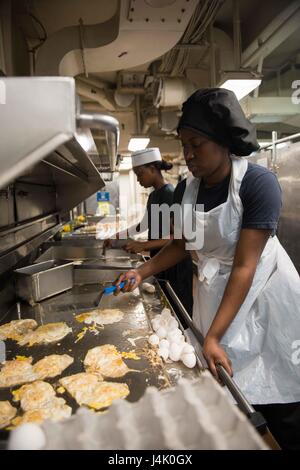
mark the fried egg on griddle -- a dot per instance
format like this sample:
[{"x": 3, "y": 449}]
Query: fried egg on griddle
[
  {"x": 46, "y": 334},
  {"x": 89, "y": 390},
  {"x": 17, "y": 372},
  {"x": 105, "y": 360},
  {"x": 40, "y": 402},
  {"x": 7, "y": 413},
  {"x": 52, "y": 365},
  {"x": 20, "y": 371},
  {"x": 105, "y": 316},
  {"x": 16, "y": 329}
]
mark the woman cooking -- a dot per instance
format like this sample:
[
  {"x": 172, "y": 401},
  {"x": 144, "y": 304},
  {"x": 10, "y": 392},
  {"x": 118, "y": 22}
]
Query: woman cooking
[
  {"x": 247, "y": 299},
  {"x": 148, "y": 166}
]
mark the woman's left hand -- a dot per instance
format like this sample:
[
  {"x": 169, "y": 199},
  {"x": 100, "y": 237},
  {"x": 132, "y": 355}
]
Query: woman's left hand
[
  {"x": 135, "y": 247},
  {"x": 215, "y": 354}
]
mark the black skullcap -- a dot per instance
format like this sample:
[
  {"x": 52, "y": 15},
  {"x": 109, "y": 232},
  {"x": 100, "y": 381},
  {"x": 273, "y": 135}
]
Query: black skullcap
[{"x": 217, "y": 114}]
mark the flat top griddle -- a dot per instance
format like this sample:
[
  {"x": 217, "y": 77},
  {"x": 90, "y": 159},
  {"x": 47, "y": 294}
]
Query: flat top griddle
[{"x": 133, "y": 329}]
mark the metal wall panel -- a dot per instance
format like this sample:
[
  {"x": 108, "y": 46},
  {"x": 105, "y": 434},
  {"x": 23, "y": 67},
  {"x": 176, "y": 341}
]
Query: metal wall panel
[
  {"x": 6, "y": 207},
  {"x": 34, "y": 200},
  {"x": 287, "y": 168}
]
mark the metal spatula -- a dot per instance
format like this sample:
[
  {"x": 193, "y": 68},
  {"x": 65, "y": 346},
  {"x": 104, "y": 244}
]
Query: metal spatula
[{"x": 106, "y": 291}]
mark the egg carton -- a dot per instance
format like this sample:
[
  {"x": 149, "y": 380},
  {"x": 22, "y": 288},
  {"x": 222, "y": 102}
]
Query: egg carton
[{"x": 193, "y": 415}]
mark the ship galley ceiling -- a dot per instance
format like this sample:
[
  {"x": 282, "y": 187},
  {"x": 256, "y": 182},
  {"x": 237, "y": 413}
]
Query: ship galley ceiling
[{"x": 138, "y": 60}]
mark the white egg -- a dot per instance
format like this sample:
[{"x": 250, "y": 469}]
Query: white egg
[
  {"x": 164, "y": 344},
  {"x": 166, "y": 313},
  {"x": 176, "y": 332},
  {"x": 154, "y": 340},
  {"x": 164, "y": 353},
  {"x": 172, "y": 324},
  {"x": 155, "y": 324},
  {"x": 187, "y": 348},
  {"x": 172, "y": 336},
  {"x": 28, "y": 436},
  {"x": 175, "y": 352},
  {"x": 147, "y": 287},
  {"x": 189, "y": 360},
  {"x": 161, "y": 332},
  {"x": 163, "y": 322}
]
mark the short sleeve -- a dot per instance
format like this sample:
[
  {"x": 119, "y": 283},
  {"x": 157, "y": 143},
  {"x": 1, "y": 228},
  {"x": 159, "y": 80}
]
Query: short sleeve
[{"x": 260, "y": 193}]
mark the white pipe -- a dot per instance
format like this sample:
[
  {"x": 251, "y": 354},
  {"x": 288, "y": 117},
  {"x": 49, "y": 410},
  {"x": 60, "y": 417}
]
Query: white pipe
[
  {"x": 95, "y": 94},
  {"x": 259, "y": 70}
]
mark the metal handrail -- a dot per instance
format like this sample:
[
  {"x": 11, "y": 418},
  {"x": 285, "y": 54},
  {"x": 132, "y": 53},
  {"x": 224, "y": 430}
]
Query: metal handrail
[{"x": 279, "y": 141}]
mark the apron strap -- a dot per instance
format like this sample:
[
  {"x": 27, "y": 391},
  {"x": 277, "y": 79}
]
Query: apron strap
[{"x": 239, "y": 169}]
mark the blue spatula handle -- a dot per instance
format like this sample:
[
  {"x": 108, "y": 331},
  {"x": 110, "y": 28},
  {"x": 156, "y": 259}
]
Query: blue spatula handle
[{"x": 111, "y": 289}]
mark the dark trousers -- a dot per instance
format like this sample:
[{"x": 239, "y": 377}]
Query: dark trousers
[{"x": 284, "y": 423}]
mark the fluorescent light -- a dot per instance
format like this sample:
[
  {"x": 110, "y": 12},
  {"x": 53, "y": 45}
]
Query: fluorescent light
[
  {"x": 241, "y": 88},
  {"x": 241, "y": 83},
  {"x": 138, "y": 143}
]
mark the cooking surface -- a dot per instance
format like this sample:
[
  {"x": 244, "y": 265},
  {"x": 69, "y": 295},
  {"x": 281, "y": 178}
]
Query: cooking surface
[{"x": 132, "y": 329}]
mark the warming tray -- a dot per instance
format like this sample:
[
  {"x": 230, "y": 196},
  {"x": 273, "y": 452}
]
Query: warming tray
[{"x": 42, "y": 280}]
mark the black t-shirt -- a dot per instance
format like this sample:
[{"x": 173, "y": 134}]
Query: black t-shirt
[
  {"x": 163, "y": 195},
  {"x": 260, "y": 194}
]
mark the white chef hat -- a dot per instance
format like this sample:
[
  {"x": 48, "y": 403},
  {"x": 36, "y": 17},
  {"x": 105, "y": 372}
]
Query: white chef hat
[{"x": 149, "y": 155}]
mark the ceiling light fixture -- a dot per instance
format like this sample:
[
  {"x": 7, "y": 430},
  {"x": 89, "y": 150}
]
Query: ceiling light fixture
[
  {"x": 138, "y": 143},
  {"x": 241, "y": 83}
]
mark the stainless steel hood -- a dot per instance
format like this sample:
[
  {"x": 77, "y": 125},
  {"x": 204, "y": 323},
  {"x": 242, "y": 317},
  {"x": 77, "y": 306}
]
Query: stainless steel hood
[
  {"x": 38, "y": 121},
  {"x": 44, "y": 170}
]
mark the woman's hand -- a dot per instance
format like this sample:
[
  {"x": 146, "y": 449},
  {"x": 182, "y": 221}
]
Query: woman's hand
[
  {"x": 133, "y": 279},
  {"x": 215, "y": 354},
  {"x": 135, "y": 247}
]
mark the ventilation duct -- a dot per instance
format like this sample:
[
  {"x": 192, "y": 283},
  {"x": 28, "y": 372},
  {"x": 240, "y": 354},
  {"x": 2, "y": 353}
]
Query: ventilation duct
[{"x": 169, "y": 92}]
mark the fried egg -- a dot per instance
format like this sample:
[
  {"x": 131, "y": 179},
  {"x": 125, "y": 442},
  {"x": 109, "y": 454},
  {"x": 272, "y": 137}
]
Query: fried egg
[
  {"x": 17, "y": 372},
  {"x": 89, "y": 390},
  {"x": 7, "y": 413},
  {"x": 39, "y": 402},
  {"x": 55, "y": 413},
  {"x": 20, "y": 371},
  {"x": 35, "y": 395},
  {"x": 52, "y": 365},
  {"x": 105, "y": 360},
  {"x": 105, "y": 316},
  {"x": 46, "y": 334},
  {"x": 16, "y": 329}
]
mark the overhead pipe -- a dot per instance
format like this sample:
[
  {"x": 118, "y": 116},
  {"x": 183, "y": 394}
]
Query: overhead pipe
[
  {"x": 149, "y": 121},
  {"x": 92, "y": 81},
  {"x": 95, "y": 94},
  {"x": 107, "y": 123}
]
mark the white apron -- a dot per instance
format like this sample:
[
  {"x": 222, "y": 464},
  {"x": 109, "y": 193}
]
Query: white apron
[{"x": 260, "y": 341}]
